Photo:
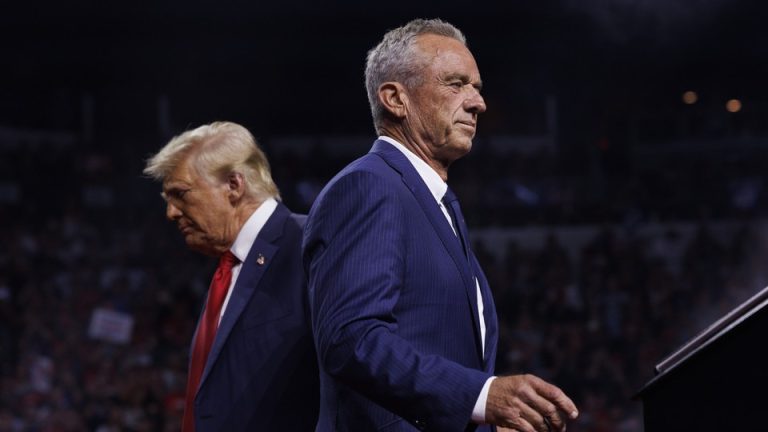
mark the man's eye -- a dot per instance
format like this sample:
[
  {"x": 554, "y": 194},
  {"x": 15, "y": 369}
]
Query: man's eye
[{"x": 177, "y": 194}]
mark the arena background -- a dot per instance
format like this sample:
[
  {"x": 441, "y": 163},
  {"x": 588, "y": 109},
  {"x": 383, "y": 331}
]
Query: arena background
[{"x": 616, "y": 192}]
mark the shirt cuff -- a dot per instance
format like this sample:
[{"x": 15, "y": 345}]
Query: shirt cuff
[{"x": 478, "y": 412}]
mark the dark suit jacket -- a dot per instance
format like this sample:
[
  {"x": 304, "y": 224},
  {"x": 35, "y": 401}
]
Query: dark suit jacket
[
  {"x": 394, "y": 305},
  {"x": 261, "y": 374}
]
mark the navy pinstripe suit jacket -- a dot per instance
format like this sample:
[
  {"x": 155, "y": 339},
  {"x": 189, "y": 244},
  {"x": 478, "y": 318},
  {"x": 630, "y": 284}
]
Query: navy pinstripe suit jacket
[{"x": 393, "y": 303}]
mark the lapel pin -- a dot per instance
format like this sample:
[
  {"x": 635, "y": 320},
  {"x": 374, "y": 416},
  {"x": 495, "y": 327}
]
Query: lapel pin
[{"x": 261, "y": 260}]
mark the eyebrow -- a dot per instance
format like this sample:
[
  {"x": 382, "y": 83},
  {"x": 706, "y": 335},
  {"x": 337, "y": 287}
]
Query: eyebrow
[
  {"x": 465, "y": 79},
  {"x": 173, "y": 189}
]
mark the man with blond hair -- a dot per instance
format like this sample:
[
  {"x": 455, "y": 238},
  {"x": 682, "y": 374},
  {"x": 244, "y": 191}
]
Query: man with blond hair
[{"x": 252, "y": 365}]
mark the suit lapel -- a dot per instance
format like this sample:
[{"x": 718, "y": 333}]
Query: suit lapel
[
  {"x": 397, "y": 160},
  {"x": 489, "y": 313},
  {"x": 256, "y": 264}
]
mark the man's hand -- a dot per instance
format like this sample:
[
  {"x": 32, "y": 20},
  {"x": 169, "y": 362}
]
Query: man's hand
[{"x": 526, "y": 403}]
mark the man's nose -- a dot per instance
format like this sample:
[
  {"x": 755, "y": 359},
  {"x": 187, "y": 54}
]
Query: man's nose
[
  {"x": 475, "y": 103},
  {"x": 172, "y": 212}
]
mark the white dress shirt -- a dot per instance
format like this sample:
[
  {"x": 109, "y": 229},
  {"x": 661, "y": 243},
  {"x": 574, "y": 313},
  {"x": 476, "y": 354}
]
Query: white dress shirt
[
  {"x": 438, "y": 187},
  {"x": 245, "y": 238}
]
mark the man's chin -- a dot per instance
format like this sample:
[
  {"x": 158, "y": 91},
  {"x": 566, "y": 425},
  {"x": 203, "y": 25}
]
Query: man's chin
[
  {"x": 463, "y": 147},
  {"x": 197, "y": 246}
]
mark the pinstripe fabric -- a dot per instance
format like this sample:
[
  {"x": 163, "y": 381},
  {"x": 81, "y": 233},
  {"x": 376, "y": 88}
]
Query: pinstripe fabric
[{"x": 393, "y": 302}]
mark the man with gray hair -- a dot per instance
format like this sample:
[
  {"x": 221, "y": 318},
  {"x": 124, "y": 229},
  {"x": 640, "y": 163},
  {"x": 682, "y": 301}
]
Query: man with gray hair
[
  {"x": 402, "y": 314},
  {"x": 253, "y": 366}
]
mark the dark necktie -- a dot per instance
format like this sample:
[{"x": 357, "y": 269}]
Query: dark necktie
[
  {"x": 451, "y": 203},
  {"x": 206, "y": 333}
]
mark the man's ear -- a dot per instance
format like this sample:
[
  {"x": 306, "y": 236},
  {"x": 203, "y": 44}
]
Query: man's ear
[
  {"x": 235, "y": 186},
  {"x": 394, "y": 98}
]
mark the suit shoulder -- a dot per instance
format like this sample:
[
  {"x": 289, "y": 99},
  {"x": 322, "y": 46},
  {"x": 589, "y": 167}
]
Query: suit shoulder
[
  {"x": 364, "y": 186},
  {"x": 369, "y": 168},
  {"x": 298, "y": 219},
  {"x": 292, "y": 221}
]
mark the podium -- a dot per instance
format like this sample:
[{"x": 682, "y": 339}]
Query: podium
[{"x": 716, "y": 381}]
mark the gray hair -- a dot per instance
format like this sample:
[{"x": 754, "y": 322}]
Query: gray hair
[
  {"x": 218, "y": 149},
  {"x": 395, "y": 59}
]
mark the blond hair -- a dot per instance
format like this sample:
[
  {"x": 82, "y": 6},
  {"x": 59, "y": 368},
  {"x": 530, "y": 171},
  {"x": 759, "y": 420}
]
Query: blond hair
[{"x": 217, "y": 150}]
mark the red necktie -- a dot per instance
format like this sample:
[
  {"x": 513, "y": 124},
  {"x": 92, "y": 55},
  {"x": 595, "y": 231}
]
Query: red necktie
[{"x": 206, "y": 332}]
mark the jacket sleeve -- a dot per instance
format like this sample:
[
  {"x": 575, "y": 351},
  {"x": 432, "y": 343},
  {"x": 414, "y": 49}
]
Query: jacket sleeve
[{"x": 355, "y": 256}]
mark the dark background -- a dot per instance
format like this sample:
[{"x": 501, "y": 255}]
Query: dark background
[
  {"x": 638, "y": 222},
  {"x": 296, "y": 66}
]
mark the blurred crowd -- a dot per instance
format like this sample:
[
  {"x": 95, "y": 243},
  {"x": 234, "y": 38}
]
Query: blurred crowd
[
  {"x": 598, "y": 322},
  {"x": 82, "y": 231},
  {"x": 545, "y": 186}
]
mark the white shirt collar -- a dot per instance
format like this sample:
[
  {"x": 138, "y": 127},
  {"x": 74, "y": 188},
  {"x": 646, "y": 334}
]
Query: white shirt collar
[
  {"x": 431, "y": 178},
  {"x": 251, "y": 229}
]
